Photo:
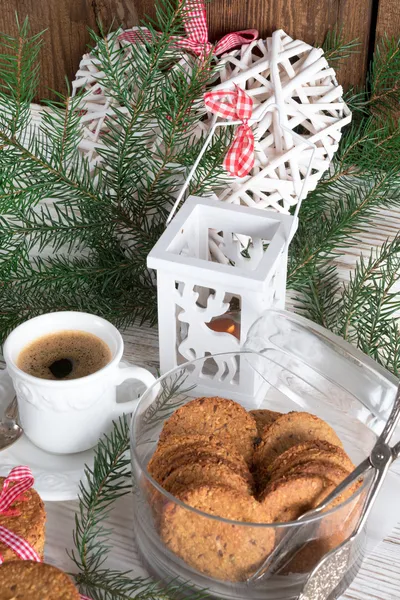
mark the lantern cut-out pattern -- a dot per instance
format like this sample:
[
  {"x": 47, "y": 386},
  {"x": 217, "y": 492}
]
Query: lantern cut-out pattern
[{"x": 195, "y": 291}]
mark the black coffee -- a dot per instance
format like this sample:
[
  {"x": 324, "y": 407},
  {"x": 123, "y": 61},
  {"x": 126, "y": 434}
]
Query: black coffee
[{"x": 64, "y": 355}]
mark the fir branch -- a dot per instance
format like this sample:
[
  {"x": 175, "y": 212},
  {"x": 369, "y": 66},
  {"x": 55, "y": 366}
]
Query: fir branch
[
  {"x": 53, "y": 205},
  {"x": 318, "y": 299},
  {"x": 113, "y": 585},
  {"x": 343, "y": 212},
  {"x": 19, "y": 71},
  {"x": 370, "y": 147},
  {"x": 364, "y": 310},
  {"x": 336, "y": 48},
  {"x": 384, "y": 76},
  {"x": 361, "y": 312},
  {"x": 61, "y": 124},
  {"x": 381, "y": 95},
  {"x": 108, "y": 480},
  {"x": 171, "y": 396},
  {"x": 364, "y": 178}
]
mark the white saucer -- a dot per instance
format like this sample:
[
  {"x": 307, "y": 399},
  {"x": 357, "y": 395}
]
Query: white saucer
[{"x": 57, "y": 476}]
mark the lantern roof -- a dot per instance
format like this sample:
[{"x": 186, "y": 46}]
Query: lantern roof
[{"x": 247, "y": 242}]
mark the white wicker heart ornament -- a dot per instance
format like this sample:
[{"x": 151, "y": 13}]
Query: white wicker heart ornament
[
  {"x": 291, "y": 83},
  {"x": 98, "y": 102}
]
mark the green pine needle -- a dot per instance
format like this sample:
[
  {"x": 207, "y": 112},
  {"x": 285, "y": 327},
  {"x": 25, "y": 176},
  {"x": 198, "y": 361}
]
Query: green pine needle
[
  {"x": 363, "y": 180},
  {"x": 336, "y": 48},
  {"x": 76, "y": 238},
  {"x": 86, "y": 245},
  {"x": 108, "y": 480}
]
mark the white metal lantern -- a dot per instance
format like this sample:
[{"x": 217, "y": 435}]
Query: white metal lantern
[
  {"x": 212, "y": 258},
  {"x": 195, "y": 293}
]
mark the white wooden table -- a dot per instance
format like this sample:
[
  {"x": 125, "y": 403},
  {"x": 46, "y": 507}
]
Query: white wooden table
[{"x": 379, "y": 578}]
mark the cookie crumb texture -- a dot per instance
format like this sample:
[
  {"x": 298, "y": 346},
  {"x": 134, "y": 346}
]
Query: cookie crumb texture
[
  {"x": 264, "y": 418},
  {"x": 26, "y": 518},
  {"x": 220, "y": 550},
  {"x": 248, "y": 467},
  {"x": 28, "y": 580},
  {"x": 219, "y": 417}
]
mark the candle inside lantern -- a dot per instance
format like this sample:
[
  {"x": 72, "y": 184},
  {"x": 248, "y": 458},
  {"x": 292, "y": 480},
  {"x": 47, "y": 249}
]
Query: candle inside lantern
[{"x": 225, "y": 324}]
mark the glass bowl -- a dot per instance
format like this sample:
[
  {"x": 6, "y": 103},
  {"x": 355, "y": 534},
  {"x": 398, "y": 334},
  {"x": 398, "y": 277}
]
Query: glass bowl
[{"x": 294, "y": 367}]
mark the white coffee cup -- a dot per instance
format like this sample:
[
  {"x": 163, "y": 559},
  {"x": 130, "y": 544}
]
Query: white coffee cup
[{"x": 70, "y": 416}]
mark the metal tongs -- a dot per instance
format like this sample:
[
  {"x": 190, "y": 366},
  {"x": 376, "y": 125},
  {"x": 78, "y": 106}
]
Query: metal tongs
[{"x": 330, "y": 571}]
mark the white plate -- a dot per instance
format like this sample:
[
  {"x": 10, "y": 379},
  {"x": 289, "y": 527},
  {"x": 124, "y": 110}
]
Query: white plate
[{"x": 57, "y": 476}]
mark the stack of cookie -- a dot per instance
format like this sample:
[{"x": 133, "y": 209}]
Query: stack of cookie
[
  {"x": 203, "y": 458},
  {"x": 299, "y": 460},
  {"x": 209, "y": 440},
  {"x": 249, "y": 467},
  {"x": 297, "y": 463}
]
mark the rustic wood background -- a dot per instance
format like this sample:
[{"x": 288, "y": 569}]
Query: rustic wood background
[{"x": 66, "y": 22}]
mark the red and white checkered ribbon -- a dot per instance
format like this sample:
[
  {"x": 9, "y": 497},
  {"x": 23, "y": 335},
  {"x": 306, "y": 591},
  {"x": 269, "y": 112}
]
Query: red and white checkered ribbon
[
  {"x": 23, "y": 480},
  {"x": 239, "y": 159},
  {"x": 196, "y": 40},
  {"x": 22, "y": 549}
]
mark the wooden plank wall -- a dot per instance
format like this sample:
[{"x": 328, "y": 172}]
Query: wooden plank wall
[
  {"x": 66, "y": 35},
  {"x": 388, "y": 21},
  {"x": 66, "y": 22},
  {"x": 308, "y": 20}
]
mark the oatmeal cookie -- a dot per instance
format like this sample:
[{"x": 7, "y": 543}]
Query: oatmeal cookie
[
  {"x": 289, "y": 497},
  {"x": 225, "y": 551},
  {"x": 289, "y": 430},
  {"x": 167, "y": 459},
  {"x": 264, "y": 418},
  {"x": 215, "y": 416},
  {"x": 28, "y": 580},
  {"x": 303, "y": 453},
  {"x": 26, "y": 517},
  {"x": 204, "y": 472}
]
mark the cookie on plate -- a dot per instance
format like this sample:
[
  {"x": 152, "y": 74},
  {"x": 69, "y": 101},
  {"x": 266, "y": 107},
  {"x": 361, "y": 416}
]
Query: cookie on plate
[
  {"x": 289, "y": 430},
  {"x": 26, "y": 517},
  {"x": 264, "y": 418},
  {"x": 28, "y": 580},
  {"x": 215, "y": 416},
  {"x": 225, "y": 551},
  {"x": 205, "y": 471},
  {"x": 168, "y": 458}
]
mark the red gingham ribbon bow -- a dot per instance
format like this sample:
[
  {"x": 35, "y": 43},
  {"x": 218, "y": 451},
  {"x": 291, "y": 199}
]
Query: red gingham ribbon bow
[
  {"x": 23, "y": 478},
  {"x": 20, "y": 546},
  {"x": 195, "y": 24},
  {"x": 239, "y": 159}
]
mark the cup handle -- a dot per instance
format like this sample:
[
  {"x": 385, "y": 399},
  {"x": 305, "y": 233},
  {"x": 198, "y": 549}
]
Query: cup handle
[{"x": 137, "y": 373}]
